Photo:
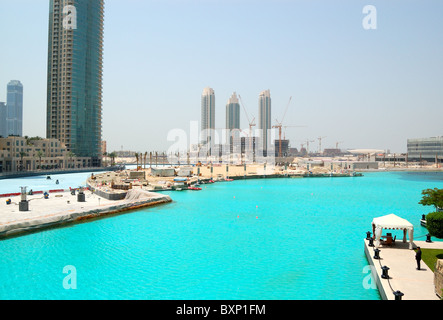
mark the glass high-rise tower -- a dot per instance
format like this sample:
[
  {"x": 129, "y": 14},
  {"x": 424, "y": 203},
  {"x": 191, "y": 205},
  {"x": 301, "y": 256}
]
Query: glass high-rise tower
[
  {"x": 264, "y": 116},
  {"x": 75, "y": 63},
  {"x": 233, "y": 113},
  {"x": 207, "y": 115},
  {"x": 14, "y": 109},
  {"x": 233, "y": 123}
]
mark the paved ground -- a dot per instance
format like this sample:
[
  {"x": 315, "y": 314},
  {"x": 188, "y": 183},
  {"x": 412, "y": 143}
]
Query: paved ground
[
  {"x": 62, "y": 207},
  {"x": 414, "y": 284}
]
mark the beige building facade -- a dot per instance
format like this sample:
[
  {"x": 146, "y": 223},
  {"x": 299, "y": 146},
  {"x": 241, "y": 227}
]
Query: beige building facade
[{"x": 18, "y": 154}]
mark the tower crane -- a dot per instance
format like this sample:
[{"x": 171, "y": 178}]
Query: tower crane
[
  {"x": 336, "y": 145},
  {"x": 319, "y": 143},
  {"x": 307, "y": 146},
  {"x": 251, "y": 123},
  {"x": 279, "y": 126}
]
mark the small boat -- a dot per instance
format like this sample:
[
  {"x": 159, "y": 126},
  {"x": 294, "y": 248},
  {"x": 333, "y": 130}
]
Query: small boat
[{"x": 194, "y": 188}]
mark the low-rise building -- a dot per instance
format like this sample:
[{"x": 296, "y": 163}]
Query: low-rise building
[
  {"x": 425, "y": 149},
  {"x": 18, "y": 154}
]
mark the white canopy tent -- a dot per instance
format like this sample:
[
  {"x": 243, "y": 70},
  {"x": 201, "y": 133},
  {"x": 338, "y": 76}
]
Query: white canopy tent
[{"x": 391, "y": 221}]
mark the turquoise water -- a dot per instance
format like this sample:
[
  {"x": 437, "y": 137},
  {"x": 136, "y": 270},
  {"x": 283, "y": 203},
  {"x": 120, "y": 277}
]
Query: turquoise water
[
  {"x": 256, "y": 239},
  {"x": 41, "y": 183}
]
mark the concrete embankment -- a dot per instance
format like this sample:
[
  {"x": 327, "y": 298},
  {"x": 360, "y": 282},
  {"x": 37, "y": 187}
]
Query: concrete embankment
[{"x": 64, "y": 208}]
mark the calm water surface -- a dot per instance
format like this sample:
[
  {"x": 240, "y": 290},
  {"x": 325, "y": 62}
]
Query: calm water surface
[{"x": 256, "y": 239}]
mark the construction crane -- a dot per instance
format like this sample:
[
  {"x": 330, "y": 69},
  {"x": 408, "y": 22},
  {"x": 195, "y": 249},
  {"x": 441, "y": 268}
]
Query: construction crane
[
  {"x": 307, "y": 146},
  {"x": 279, "y": 126},
  {"x": 251, "y": 123},
  {"x": 336, "y": 144},
  {"x": 319, "y": 143}
]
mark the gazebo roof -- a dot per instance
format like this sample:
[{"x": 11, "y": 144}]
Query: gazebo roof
[{"x": 391, "y": 221}]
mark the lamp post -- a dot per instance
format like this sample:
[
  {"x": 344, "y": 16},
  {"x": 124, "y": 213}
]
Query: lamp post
[{"x": 24, "y": 203}]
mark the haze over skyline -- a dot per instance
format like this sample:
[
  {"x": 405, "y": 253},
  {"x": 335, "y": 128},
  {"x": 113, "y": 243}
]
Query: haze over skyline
[{"x": 367, "y": 88}]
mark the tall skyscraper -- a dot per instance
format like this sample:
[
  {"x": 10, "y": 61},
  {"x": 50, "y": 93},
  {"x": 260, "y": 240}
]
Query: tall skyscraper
[
  {"x": 3, "y": 119},
  {"x": 75, "y": 63},
  {"x": 14, "y": 107},
  {"x": 264, "y": 116},
  {"x": 207, "y": 114},
  {"x": 233, "y": 113}
]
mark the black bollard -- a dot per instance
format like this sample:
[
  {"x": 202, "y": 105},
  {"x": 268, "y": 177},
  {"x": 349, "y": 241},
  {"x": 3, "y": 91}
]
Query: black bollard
[
  {"x": 368, "y": 235},
  {"x": 376, "y": 252},
  {"x": 371, "y": 242},
  {"x": 423, "y": 217},
  {"x": 428, "y": 238},
  {"x": 385, "y": 274},
  {"x": 398, "y": 295}
]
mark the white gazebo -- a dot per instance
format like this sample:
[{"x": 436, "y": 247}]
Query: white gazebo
[{"x": 391, "y": 221}]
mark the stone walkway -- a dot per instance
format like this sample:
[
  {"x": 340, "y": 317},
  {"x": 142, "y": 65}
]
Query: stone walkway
[
  {"x": 414, "y": 284},
  {"x": 63, "y": 208}
]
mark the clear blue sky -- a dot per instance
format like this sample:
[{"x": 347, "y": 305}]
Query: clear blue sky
[{"x": 367, "y": 88}]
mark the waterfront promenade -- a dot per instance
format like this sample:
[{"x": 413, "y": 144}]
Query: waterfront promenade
[{"x": 403, "y": 275}]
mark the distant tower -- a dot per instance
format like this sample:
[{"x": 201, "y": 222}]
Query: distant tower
[
  {"x": 207, "y": 114},
  {"x": 233, "y": 122},
  {"x": 14, "y": 107},
  {"x": 264, "y": 116},
  {"x": 3, "y": 119},
  {"x": 233, "y": 113}
]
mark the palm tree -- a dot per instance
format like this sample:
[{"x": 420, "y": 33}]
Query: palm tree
[
  {"x": 40, "y": 155},
  {"x": 112, "y": 155},
  {"x": 22, "y": 154},
  {"x": 136, "y": 158},
  {"x": 144, "y": 165}
]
